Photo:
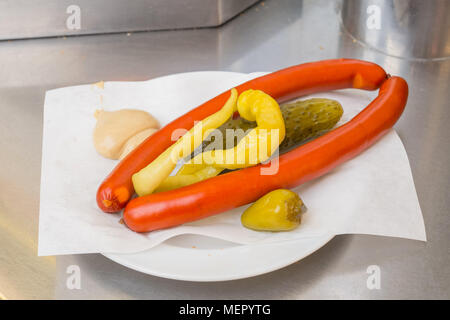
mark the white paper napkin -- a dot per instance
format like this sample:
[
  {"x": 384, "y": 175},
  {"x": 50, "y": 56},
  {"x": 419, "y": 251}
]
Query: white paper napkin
[{"x": 372, "y": 194}]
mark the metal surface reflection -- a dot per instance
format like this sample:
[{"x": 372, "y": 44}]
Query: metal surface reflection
[{"x": 412, "y": 29}]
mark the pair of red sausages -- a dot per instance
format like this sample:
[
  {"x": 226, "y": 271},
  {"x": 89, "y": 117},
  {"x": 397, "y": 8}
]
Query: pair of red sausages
[{"x": 309, "y": 161}]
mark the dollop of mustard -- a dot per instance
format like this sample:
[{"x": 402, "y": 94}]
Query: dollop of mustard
[{"x": 119, "y": 132}]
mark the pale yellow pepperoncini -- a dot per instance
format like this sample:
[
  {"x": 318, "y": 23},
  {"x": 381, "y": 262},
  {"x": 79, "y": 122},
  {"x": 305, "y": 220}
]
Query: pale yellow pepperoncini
[
  {"x": 149, "y": 178},
  {"x": 257, "y": 146}
]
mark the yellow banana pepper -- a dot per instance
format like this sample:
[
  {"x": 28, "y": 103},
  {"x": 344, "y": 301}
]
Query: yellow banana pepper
[
  {"x": 257, "y": 146},
  {"x": 184, "y": 179},
  {"x": 149, "y": 178}
]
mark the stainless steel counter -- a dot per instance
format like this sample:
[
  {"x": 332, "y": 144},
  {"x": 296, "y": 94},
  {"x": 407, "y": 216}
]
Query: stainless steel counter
[{"x": 268, "y": 36}]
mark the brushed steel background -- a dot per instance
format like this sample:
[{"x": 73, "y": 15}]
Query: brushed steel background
[
  {"x": 413, "y": 29},
  {"x": 45, "y": 18}
]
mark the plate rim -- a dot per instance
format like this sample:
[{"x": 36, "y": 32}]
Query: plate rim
[{"x": 120, "y": 259}]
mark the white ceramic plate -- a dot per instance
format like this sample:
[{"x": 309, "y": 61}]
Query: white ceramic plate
[{"x": 199, "y": 258}]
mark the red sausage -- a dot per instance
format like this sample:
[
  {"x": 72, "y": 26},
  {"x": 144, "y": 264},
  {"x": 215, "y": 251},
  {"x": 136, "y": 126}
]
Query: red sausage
[
  {"x": 117, "y": 189},
  {"x": 206, "y": 198}
]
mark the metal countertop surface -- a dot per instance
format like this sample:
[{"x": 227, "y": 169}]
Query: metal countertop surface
[{"x": 268, "y": 36}]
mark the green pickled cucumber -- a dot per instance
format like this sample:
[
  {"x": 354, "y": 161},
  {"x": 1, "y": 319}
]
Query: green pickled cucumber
[
  {"x": 304, "y": 120},
  {"x": 308, "y": 119}
]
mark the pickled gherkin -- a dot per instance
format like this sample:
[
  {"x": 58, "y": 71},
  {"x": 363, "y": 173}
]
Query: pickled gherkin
[
  {"x": 308, "y": 119},
  {"x": 304, "y": 120}
]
